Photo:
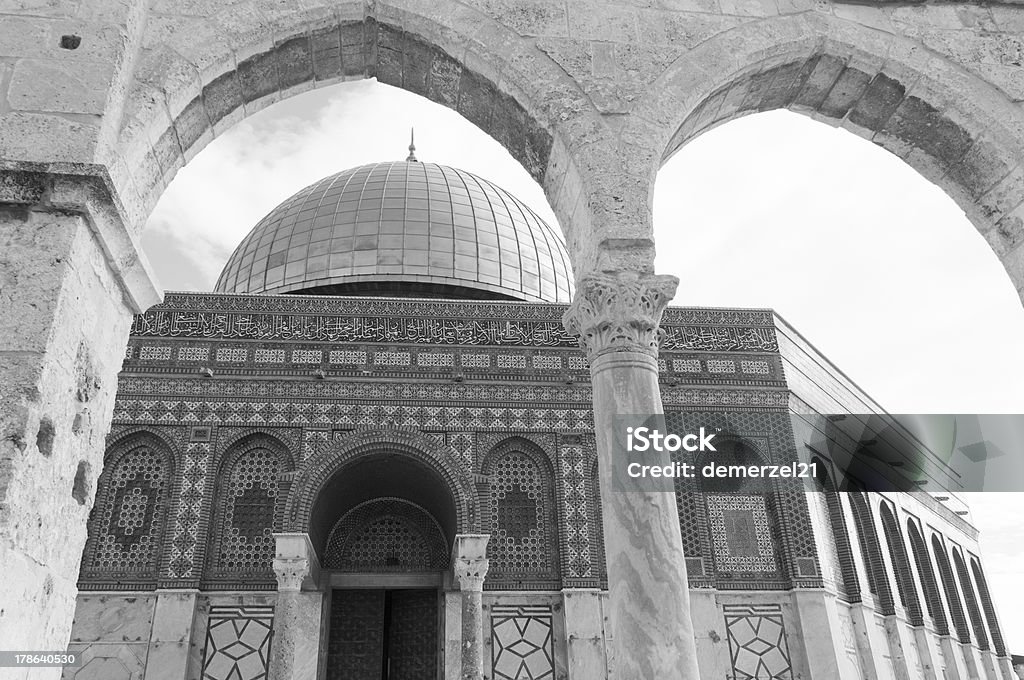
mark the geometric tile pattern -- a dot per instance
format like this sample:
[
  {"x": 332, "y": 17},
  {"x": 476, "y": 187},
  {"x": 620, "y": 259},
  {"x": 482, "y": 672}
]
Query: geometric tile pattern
[
  {"x": 741, "y": 533},
  {"x": 757, "y": 642},
  {"x": 238, "y": 643},
  {"x": 246, "y": 508},
  {"x": 189, "y": 511},
  {"x": 520, "y": 528},
  {"x": 522, "y": 647},
  {"x": 577, "y": 523},
  {"x": 129, "y": 516},
  {"x": 462, "y": 445}
]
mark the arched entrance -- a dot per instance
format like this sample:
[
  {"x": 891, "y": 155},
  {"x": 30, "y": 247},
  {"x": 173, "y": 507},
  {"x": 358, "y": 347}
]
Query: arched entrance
[{"x": 383, "y": 524}]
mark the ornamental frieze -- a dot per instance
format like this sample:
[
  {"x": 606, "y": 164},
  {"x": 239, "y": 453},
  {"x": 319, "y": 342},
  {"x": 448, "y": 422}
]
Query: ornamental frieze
[
  {"x": 342, "y": 306},
  {"x": 443, "y": 331}
]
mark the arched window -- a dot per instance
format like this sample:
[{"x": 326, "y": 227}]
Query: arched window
[
  {"x": 126, "y": 527},
  {"x": 871, "y": 550},
  {"x": 242, "y": 546},
  {"x": 901, "y": 565},
  {"x": 956, "y": 608},
  {"x": 840, "y": 550},
  {"x": 520, "y": 501},
  {"x": 741, "y": 515},
  {"x": 972, "y": 601},
  {"x": 932, "y": 598},
  {"x": 986, "y": 604}
]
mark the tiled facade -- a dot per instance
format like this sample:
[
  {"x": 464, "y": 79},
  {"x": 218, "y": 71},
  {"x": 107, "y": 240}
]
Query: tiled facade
[{"x": 241, "y": 417}]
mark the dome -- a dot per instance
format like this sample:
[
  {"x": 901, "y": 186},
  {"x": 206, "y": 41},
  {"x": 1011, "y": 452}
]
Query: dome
[{"x": 405, "y": 228}]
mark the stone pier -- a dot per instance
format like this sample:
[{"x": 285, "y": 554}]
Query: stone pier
[{"x": 616, "y": 317}]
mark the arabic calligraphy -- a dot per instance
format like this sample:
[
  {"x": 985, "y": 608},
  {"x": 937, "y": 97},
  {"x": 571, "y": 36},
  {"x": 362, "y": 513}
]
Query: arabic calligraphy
[{"x": 423, "y": 330}]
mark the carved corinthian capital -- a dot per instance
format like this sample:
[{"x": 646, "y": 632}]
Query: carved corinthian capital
[{"x": 619, "y": 312}]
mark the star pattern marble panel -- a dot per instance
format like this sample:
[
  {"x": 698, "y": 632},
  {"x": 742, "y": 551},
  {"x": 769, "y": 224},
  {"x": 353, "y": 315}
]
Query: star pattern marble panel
[
  {"x": 238, "y": 643},
  {"x": 522, "y": 647},
  {"x": 757, "y": 642}
]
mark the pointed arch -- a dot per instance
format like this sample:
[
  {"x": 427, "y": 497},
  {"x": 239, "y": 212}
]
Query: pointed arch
[
  {"x": 905, "y": 584},
  {"x": 871, "y": 551},
  {"x": 956, "y": 607},
  {"x": 973, "y": 611},
  {"x": 128, "y": 520},
  {"x": 932, "y": 598},
  {"x": 988, "y": 607},
  {"x": 519, "y": 514}
]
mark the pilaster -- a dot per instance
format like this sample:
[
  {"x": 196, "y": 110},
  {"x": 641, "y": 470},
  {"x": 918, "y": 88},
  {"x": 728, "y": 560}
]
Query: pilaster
[{"x": 469, "y": 568}]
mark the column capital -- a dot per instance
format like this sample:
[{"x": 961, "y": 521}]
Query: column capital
[
  {"x": 619, "y": 312},
  {"x": 295, "y": 562},
  {"x": 469, "y": 561}
]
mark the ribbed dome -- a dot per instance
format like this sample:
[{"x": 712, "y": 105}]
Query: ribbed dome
[{"x": 402, "y": 228}]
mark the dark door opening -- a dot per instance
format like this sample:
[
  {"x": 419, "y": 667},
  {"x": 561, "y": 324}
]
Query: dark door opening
[{"x": 383, "y": 635}]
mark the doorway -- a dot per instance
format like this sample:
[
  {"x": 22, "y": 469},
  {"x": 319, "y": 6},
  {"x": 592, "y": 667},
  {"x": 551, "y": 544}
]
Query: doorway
[{"x": 383, "y": 635}]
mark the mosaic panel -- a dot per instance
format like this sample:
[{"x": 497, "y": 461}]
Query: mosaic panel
[
  {"x": 128, "y": 520},
  {"x": 547, "y": 362},
  {"x": 149, "y": 353},
  {"x": 686, "y": 365},
  {"x": 181, "y": 563},
  {"x": 757, "y": 642},
  {"x": 307, "y": 356},
  {"x": 238, "y": 643},
  {"x": 268, "y": 356},
  {"x": 232, "y": 354},
  {"x": 346, "y": 356},
  {"x": 149, "y": 389},
  {"x": 193, "y": 353},
  {"x": 392, "y": 358},
  {"x": 511, "y": 361},
  {"x": 577, "y": 512},
  {"x": 579, "y": 363},
  {"x": 462, "y": 445},
  {"x": 435, "y": 359},
  {"x": 246, "y": 524},
  {"x": 522, "y": 645},
  {"x": 519, "y": 493},
  {"x": 128, "y": 352},
  {"x": 350, "y": 416},
  {"x": 721, "y": 366},
  {"x": 741, "y": 533},
  {"x": 475, "y": 360},
  {"x": 755, "y": 367}
]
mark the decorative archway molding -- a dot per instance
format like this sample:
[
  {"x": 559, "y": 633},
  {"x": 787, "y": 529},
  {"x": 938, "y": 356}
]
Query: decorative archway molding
[
  {"x": 957, "y": 130},
  {"x": 325, "y": 464}
]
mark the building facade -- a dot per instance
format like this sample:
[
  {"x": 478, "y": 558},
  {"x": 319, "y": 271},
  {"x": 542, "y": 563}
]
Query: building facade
[{"x": 371, "y": 453}]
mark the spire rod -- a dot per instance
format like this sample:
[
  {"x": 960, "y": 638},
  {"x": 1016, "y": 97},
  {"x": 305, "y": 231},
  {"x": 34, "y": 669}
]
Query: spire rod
[{"x": 411, "y": 158}]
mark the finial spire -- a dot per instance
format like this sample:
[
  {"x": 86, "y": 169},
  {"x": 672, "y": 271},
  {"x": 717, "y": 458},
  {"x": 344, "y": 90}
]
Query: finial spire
[{"x": 411, "y": 158}]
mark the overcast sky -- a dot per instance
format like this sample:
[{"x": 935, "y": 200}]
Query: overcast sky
[{"x": 874, "y": 265}]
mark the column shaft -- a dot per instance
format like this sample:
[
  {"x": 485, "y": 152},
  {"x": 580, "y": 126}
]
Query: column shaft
[{"x": 617, "y": 318}]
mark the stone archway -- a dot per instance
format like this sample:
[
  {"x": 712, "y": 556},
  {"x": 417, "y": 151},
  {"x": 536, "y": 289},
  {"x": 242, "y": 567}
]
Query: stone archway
[
  {"x": 106, "y": 100},
  {"x": 953, "y": 127}
]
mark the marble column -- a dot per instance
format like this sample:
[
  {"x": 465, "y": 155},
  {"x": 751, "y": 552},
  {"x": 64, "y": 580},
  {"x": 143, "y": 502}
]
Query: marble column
[
  {"x": 296, "y": 646},
  {"x": 617, "y": 317},
  {"x": 469, "y": 567}
]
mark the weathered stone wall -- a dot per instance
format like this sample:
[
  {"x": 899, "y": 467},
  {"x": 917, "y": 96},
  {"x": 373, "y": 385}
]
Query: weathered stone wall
[{"x": 63, "y": 316}]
